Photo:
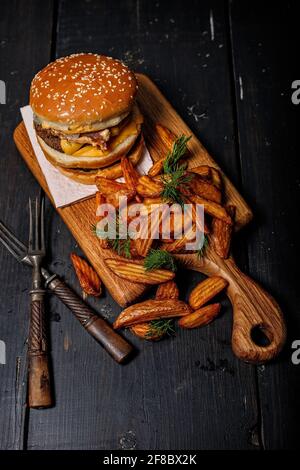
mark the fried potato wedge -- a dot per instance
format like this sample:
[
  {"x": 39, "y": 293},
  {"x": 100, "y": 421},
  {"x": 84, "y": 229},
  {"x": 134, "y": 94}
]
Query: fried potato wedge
[
  {"x": 100, "y": 199},
  {"x": 216, "y": 178},
  {"x": 156, "y": 168},
  {"x": 89, "y": 280},
  {"x": 107, "y": 187},
  {"x": 206, "y": 290},
  {"x": 179, "y": 245},
  {"x": 134, "y": 271},
  {"x": 167, "y": 290},
  {"x": 113, "y": 190},
  {"x": 151, "y": 310},
  {"x": 148, "y": 201},
  {"x": 221, "y": 234},
  {"x": 166, "y": 136},
  {"x": 203, "y": 170},
  {"x": 204, "y": 189},
  {"x": 131, "y": 176},
  {"x": 211, "y": 208},
  {"x": 147, "y": 187},
  {"x": 146, "y": 331},
  {"x": 150, "y": 224},
  {"x": 202, "y": 316}
]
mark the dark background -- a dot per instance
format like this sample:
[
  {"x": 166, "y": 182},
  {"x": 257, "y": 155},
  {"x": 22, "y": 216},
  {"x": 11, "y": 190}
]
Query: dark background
[{"x": 189, "y": 392}]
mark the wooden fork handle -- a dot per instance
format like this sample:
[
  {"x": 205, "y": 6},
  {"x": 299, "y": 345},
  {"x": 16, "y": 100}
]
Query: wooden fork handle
[
  {"x": 39, "y": 382},
  {"x": 113, "y": 343},
  {"x": 254, "y": 310}
]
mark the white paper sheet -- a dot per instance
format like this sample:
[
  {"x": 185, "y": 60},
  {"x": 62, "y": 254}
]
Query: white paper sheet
[{"x": 64, "y": 190}]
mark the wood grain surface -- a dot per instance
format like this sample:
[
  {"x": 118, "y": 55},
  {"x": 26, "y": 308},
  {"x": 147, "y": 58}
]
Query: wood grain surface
[{"x": 79, "y": 217}]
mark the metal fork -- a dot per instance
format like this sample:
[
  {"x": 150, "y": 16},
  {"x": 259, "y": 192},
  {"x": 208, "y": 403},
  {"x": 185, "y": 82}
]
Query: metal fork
[
  {"x": 96, "y": 326},
  {"x": 39, "y": 388}
]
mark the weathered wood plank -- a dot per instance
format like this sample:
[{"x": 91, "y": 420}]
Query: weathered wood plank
[
  {"x": 264, "y": 52},
  {"x": 25, "y": 43}
]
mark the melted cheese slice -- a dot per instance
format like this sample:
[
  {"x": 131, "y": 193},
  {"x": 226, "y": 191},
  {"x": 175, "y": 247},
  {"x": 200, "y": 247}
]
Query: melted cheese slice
[
  {"x": 132, "y": 128},
  {"x": 69, "y": 147}
]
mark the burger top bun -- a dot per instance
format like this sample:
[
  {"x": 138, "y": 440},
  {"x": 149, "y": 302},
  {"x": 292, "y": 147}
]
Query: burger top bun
[{"x": 82, "y": 89}]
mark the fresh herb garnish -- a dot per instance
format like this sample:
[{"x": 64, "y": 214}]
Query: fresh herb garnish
[
  {"x": 120, "y": 245},
  {"x": 201, "y": 251},
  {"x": 159, "y": 258},
  {"x": 174, "y": 174},
  {"x": 177, "y": 152},
  {"x": 171, "y": 190},
  {"x": 161, "y": 327}
]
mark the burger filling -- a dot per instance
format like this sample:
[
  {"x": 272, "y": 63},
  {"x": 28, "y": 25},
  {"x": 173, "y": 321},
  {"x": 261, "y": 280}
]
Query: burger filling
[{"x": 99, "y": 142}]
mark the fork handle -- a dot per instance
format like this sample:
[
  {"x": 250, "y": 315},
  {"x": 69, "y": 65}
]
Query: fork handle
[
  {"x": 96, "y": 326},
  {"x": 39, "y": 386}
]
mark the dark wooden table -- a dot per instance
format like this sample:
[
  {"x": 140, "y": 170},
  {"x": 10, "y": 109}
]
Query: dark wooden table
[{"x": 227, "y": 67}]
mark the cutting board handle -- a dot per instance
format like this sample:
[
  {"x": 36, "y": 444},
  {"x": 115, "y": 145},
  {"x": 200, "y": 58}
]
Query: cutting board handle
[{"x": 259, "y": 331}]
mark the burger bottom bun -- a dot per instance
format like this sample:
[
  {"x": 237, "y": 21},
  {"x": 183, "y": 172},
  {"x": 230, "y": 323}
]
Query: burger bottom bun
[
  {"x": 110, "y": 172},
  {"x": 70, "y": 161}
]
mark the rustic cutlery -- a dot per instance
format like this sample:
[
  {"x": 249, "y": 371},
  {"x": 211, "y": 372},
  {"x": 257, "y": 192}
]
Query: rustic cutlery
[
  {"x": 39, "y": 387},
  {"x": 113, "y": 343}
]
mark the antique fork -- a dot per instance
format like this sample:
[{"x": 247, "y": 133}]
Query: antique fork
[
  {"x": 39, "y": 387},
  {"x": 96, "y": 326}
]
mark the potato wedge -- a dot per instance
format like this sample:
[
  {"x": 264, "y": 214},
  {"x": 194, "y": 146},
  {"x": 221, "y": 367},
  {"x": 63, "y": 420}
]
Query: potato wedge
[
  {"x": 167, "y": 290},
  {"x": 211, "y": 208},
  {"x": 100, "y": 199},
  {"x": 89, "y": 280},
  {"x": 203, "y": 170},
  {"x": 147, "y": 187},
  {"x": 221, "y": 233},
  {"x": 202, "y": 316},
  {"x": 130, "y": 173},
  {"x": 206, "y": 290},
  {"x": 149, "y": 225},
  {"x": 179, "y": 244},
  {"x": 131, "y": 176},
  {"x": 151, "y": 310},
  {"x": 157, "y": 168},
  {"x": 166, "y": 136},
  {"x": 134, "y": 271},
  {"x": 216, "y": 178},
  {"x": 145, "y": 331},
  {"x": 107, "y": 187},
  {"x": 148, "y": 201},
  {"x": 204, "y": 189}
]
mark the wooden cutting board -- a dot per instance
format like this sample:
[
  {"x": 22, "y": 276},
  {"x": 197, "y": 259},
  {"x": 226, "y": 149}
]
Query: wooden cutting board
[
  {"x": 252, "y": 306},
  {"x": 80, "y": 216}
]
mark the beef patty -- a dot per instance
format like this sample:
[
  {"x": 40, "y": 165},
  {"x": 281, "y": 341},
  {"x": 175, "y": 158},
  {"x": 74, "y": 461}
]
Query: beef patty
[{"x": 52, "y": 140}]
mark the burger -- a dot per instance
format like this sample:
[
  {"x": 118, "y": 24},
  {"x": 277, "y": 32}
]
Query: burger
[{"x": 85, "y": 115}]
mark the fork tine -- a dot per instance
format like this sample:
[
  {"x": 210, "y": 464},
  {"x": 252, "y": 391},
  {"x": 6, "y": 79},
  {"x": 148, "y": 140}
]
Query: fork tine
[
  {"x": 18, "y": 255},
  {"x": 30, "y": 244},
  {"x": 42, "y": 224},
  {"x": 11, "y": 237}
]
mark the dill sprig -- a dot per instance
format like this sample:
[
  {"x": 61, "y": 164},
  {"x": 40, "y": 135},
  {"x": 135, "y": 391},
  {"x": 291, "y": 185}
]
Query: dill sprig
[
  {"x": 120, "y": 245},
  {"x": 161, "y": 327},
  {"x": 159, "y": 259},
  {"x": 172, "y": 182},
  {"x": 174, "y": 174},
  {"x": 201, "y": 251},
  {"x": 178, "y": 151}
]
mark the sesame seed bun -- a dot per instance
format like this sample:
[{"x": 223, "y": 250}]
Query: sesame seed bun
[{"x": 83, "y": 91}]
